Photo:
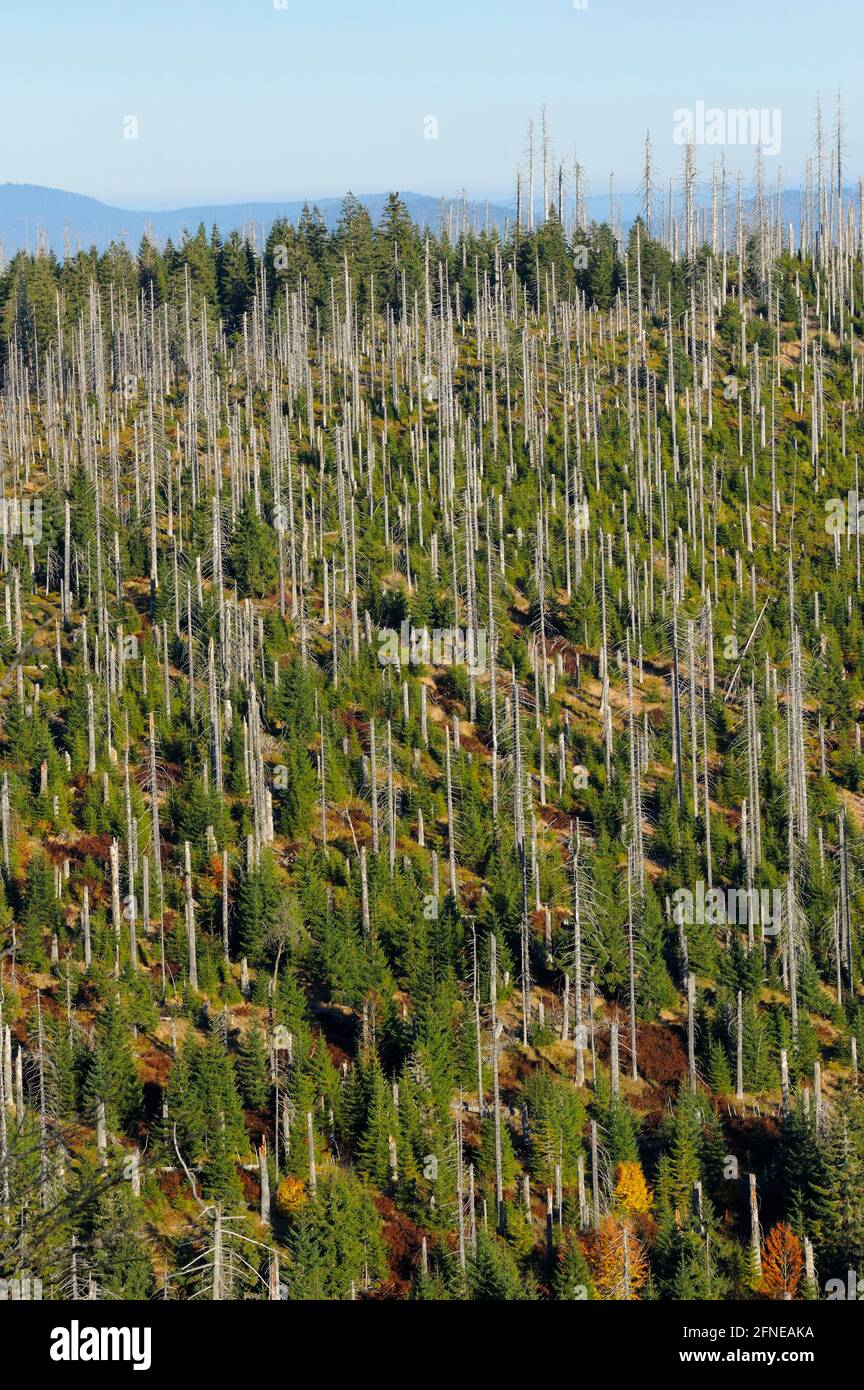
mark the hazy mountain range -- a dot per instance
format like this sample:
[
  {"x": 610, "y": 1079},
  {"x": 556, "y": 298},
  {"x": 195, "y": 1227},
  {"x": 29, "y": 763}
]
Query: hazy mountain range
[
  {"x": 72, "y": 219},
  {"x": 69, "y": 220}
]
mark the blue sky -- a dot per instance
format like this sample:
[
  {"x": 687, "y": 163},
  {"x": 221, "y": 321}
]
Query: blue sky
[{"x": 238, "y": 99}]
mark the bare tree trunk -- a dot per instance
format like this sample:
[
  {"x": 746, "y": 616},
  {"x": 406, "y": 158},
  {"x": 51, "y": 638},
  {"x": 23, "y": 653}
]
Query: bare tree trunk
[
  {"x": 190, "y": 917},
  {"x": 310, "y": 1141},
  {"x": 265, "y": 1182},
  {"x": 595, "y": 1176},
  {"x": 691, "y": 1030},
  {"x": 755, "y": 1239},
  {"x": 496, "y": 1101}
]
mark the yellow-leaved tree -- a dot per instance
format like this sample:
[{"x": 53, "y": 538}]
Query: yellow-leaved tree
[{"x": 632, "y": 1193}]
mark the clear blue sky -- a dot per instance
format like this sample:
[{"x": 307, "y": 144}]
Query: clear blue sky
[{"x": 236, "y": 99}]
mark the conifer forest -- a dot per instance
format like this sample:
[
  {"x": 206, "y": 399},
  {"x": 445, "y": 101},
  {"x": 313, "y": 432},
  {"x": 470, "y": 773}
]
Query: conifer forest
[{"x": 431, "y": 781}]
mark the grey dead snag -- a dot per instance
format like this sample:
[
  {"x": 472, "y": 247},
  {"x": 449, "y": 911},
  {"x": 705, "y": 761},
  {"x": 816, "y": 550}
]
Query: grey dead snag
[
  {"x": 818, "y": 1103},
  {"x": 44, "y": 1185},
  {"x": 475, "y": 976},
  {"x": 190, "y": 917},
  {"x": 676, "y": 714},
  {"x": 519, "y": 820},
  {"x": 310, "y": 1143},
  {"x": 373, "y": 789},
  {"x": 85, "y": 926},
  {"x": 595, "y": 1176},
  {"x": 739, "y": 1047},
  {"x": 631, "y": 957},
  {"x": 790, "y": 942},
  {"x": 134, "y": 1171},
  {"x": 225, "y": 937},
  {"x": 5, "y": 819},
  {"x": 613, "y": 1056},
  {"x": 6, "y": 1062},
  {"x": 131, "y": 904},
  {"x": 460, "y": 1192},
  {"x": 496, "y": 1099},
  {"x": 274, "y": 1285},
  {"x": 691, "y": 1030},
  {"x": 217, "y": 1287},
  {"x": 493, "y": 701},
  {"x": 451, "y": 826},
  {"x": 755, "y": 1237},
  {"x": 809, "y": 1266},
  {"x": 91, "y": 733},
  {"x": 157, "y": 843},
  {"x": 101, "y": 1139},
  {"x": 114, "y": 856},
  {"x": 364, "y": 892},
  {"x": 635, "y": 799},
  {"x": 5, "y": 1092},
  {"x": 322, "y": 784},
  {"x": 391, "y": 803},
  {"x": 20, "y": 1106},
  {"x": 579, "y": 1029},
  {"x": 265, "y": 1183}
]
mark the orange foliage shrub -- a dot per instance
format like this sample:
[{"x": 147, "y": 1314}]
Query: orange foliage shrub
[
  {"x": 782, "y": 1262},
  {"x": 618, "y": 1261}
]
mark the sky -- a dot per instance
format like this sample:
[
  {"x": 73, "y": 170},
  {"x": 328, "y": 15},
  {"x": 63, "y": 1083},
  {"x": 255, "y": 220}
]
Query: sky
[{"x": 165, "y": 103}]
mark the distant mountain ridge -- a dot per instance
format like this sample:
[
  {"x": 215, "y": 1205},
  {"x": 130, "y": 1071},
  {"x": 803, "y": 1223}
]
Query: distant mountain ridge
[{"x": 30, "y": 212}]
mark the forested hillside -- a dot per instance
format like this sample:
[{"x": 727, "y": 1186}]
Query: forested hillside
[{"x": 432, "y": 787}]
